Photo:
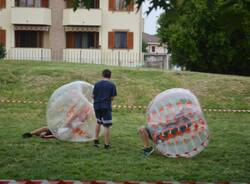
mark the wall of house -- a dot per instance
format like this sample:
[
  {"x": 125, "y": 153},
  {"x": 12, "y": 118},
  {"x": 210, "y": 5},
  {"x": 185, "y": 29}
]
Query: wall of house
[
  {"x": 30, "y": 16},
  {"x": 121, "y": 20},
  {"x": 46, "y": 41},
  {"x": 56, "y": 38},
  {"x": 158, "y": 49},
  {"x": 5, "y": 14},
  {"x": 57, "y": 33},
  {"x": 82, "y": 17}
]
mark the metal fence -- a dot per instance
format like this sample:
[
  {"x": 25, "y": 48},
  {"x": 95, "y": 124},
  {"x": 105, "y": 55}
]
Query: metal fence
[
  {"x": 161, "y": 61},
  {"x": 92, "y": 56},
  {"x": 38, "y": 54},
  {"x": 96, "y": 56}
]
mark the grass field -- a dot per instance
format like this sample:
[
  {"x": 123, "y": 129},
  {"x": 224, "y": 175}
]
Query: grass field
[{"x": 227, "y": 158}]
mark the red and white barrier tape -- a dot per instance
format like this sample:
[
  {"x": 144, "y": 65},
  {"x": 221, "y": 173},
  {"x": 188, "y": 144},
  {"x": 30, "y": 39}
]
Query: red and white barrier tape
[
  {"x": 105, "y": 182},
  {"x": 128, "y": 107},
  {"x": 22, "y": 101}
]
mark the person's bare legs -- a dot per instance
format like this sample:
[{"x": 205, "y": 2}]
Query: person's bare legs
[
  {"x": 144, "y": 136},
  {"x": 148, "y": 150},
  {"x": 38, "y": 131},
  {"x": 97, "y": 131},
  {"x": 106, "y": 135}
]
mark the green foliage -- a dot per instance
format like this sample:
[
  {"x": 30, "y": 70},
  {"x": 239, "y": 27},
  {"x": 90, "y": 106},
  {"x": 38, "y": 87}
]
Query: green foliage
[
  {"x": 2, "y": 51},
  {"x": 144, "y": 46},
  {"x": 209, "y": 36}
]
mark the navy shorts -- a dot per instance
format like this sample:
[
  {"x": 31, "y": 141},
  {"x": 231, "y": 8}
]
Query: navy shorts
[
  {"x": 104, "y": 117},
  {"x": 150, "y": 131}
]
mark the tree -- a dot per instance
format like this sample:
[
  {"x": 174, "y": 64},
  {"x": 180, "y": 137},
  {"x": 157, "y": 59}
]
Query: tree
[{"x": 209, "y": 35}]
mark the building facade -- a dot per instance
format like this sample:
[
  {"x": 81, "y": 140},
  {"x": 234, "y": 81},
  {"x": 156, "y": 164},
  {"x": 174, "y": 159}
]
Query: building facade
[
  {"x": 154, "y": 46},
  {"x": 156, "y": 54},
  {"x": 50, "y": 29}
]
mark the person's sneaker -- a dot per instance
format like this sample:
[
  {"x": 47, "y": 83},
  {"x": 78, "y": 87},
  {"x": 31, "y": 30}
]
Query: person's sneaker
[
  {"x": 107, "y": 146},
  {"x": 96, "y": 143},
  {"x": 148, "y": 151},
  {"x": 27, "y": 135}
]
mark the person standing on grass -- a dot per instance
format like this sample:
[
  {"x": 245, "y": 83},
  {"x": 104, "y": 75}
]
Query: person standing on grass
[{"x": 103, "y": 94}]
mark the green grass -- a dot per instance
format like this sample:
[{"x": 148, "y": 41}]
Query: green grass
[{"x": 225, "y": 159}]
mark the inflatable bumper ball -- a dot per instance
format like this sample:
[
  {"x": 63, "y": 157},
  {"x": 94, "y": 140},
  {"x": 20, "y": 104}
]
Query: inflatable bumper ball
[
  {"x": 177, "y": 122},
  {"x": 70, "y": 112}
]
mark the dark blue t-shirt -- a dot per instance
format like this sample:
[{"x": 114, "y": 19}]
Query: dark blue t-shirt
[{"x": 103, "y": 91}]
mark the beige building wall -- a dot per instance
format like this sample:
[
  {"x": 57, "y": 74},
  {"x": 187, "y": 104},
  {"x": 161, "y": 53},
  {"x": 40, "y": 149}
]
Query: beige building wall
[
  {"x": 82, "y": 17},
  {"x": 30, "y": 16},
  {"x": 5, "y": 23},
  {"x": 57, "y": 33},
  {"x": 6, "y": 17},
  {"x": 159, "y": 49},
  {"x": 120, "y": 20},
  {"x": 46, "y": 41},
  {"x": 56, "y": 37}
]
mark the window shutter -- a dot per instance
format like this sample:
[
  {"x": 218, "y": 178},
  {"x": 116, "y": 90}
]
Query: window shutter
[
  {"x": 40, "y": 42},
  {"x": 111, "y": 5},
  {"x": 131, "y": 6},
  {"x": 17, "y": 39},
  {"x": 69, "y": 40},
  {"x": 45, "y": 3},
  {"x": 96, "y": 39},
  {"x": 111, "y": 38},
  {"x": 97, "y": 4},
  {"x": 3, "y": 37},
  {"x": 69, "y": 3},
  {"x": 2, "y": 4},
  {"x": 130, "y": 40}
]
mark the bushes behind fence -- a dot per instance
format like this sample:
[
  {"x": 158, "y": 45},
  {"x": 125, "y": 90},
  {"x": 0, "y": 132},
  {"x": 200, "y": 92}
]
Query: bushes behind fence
[{"x": 2, "y": 51}]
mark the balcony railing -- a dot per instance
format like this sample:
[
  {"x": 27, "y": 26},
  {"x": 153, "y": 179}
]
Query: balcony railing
[
  {"x": 82, "y": 17},
  {"x": 30, "y": 16}
]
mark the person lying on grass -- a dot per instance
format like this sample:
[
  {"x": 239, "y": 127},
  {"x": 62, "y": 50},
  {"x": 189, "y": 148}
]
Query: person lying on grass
[
  {"x": 42, "y": 132},
  {"x": 45, "y": 133}
]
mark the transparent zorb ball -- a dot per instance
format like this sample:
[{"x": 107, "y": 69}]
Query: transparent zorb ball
[
  {"x": 70, "y": 112},
  {"x": 177, "y": 123}
]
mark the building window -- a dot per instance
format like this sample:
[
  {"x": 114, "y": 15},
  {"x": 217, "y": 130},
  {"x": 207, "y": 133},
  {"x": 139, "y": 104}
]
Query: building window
[
  {"x": 94, "y": 4},
  {"x": 38, "y": 3},
  {"x": 153, "y": 48},
  {"x": 82, "y": 40},
  {"x": 31, "y": 3},
  {"x": 120, "y": 40},
  {"x": 120, "y": 4},
  {"x": 31, "y": 39}
]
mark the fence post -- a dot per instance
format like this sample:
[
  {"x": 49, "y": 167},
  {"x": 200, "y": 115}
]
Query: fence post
[
  {"x": 7, "y": 55},
  {"x": 167, "y": 62},
  {"x": 41, "y": 54},
  {"x": 119, "y": 62},
  {"x": 80, "y": 55}
]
